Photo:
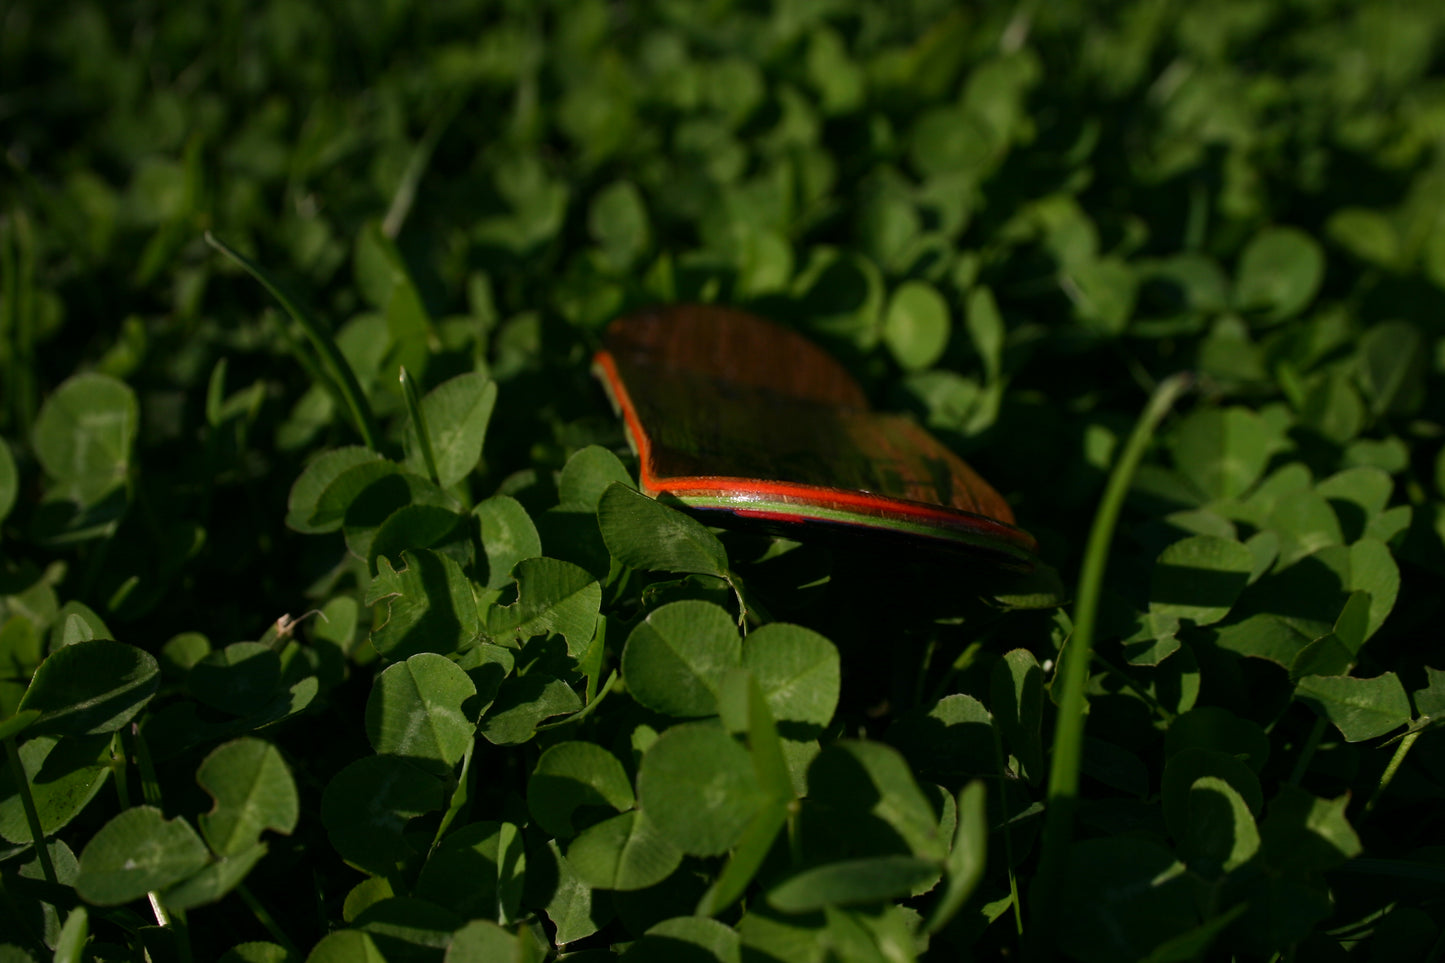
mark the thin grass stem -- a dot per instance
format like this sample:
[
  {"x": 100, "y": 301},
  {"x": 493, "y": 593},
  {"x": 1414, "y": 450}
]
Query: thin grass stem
[
  {"x": 32, "y": 815},
  {"x": 418, "y": 420},
  {"x": 1073, "y": 672},
  {"x": 333, "y": 362},
  {"x": 416, "y": 166},
  {"x": 264, "y": 916},
  {"x": 1312, "y": 742},
  {"x": 1386, "y": 777}
]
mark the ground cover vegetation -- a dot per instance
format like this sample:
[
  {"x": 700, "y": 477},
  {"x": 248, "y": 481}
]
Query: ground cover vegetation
[{"x": 332, "y": 627}]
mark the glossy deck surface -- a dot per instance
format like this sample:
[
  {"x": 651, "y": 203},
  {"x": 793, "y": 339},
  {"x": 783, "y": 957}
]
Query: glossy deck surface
[{"x": 736, "y": 416}]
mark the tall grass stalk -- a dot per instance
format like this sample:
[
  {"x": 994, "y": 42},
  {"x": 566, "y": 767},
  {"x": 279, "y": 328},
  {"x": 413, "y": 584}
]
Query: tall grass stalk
[
  {"x": 1073, "y": 673},
  {"x": 333, "y": 362}
]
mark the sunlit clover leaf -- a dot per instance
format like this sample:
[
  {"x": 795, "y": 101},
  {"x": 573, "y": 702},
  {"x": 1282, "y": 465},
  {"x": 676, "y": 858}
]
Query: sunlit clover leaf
[
  {"x": 1220, "y": 832},
  {"x": 1358, "y": 495},
  {"x": 412, "y": 527},
  {"x": 587, "y": 474},
  {"x": 1334, "y": 653},
  {"x": 84, "y": 434},
  {"x": 686, "y": 939},
  {"x": 575, "y": 908},
  {"x": 967, "y": 857},
  {"x": 375, "y": 507},
  {"x": 698, "y": 786},
  {"x": 90, "y": 687},
  {"x": 346, "y": 946},
  {"x": 1367, "y": 234},
  {"x": 1263, "y": 636},
  {"x": 1430, "y": 700},
  {"x": 950, "y": 139},
  {"x": 430, "y": 606},
  {"x": 482, "y": 941},
  {"x": 383, "y": 276},
  {"x": 1373, "y": 569},
  {"x": 676, "y": 658},
  {"x": 1187, "y": 767},
  {"x": 1103, "y": 292},
  {"x": 1305, "y": 523},
  {"x": 257, "y": 951},
  {"x": 841, "y": 294},
  {"x": 487, "y": 665},
  {"x": 13, "y": 725},
  {"x": 342, "y": 491},
  {"x": 774, "y": 935},
  {"x": 1223, "y": 451},
  {"x": 1360, "y": 708},
  {"x": 214, "y": 880},
  {"x": 1393, "y": 362},
  {"x": 405, "y": 927},
  {"x": 476, "y": 871},
  {"x": 799, "y": 674},
  {"x": 916, "y": 325},
  {"x": 867, "y": 803},
  {"x": 646, "y": 534},
  {"x": 415, "y": 711},
  {"x": 838, "y": 78},
  {"x": 1199, "y": 578},
  {"x": 743, "y": 708},
  {"x": 625, "y": 852},
  {"x": 64, "y": 774},
  {"x": 522, "y": 703},
  {"x": 953, "y": 737},
  {"x": 1278, "y": 273},
  {"x": 1303, "y": 833},
  {"x": 366, "y": 807},
  {"x": 1194, "y": 283},
  {"x": 253, "y": 791},
  {"x": 457, "y": 413},
  {"x": 507, "y": 536},
  {"x": 573, "y": 775},
  {"x": 306, "y": 492},
  {"x": 77, "y": 622},
  {"x": 753, "y": 848},
  {"x": 570, "y": 530},
  {"x": 74, "y": 934},
  {"x": 136, "y": 852},
  {"x": 553, "y": 598},
  {"x": 986, "y": 331},
  {"x": 1016, "y": 691},
  {"x": 853, "y": 882},
  {"x": 617, "y": 221},
  {"x": 1331, "y": 406}
]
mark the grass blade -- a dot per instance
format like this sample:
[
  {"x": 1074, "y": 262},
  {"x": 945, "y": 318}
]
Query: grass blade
[
  {"x": 333, "y": 362},
  {"x": 418, "y": 418},
  {"x": 416, "y": 165},
  {"x": 32, "y": 817},
  {"x": 1073, "y": 673}
]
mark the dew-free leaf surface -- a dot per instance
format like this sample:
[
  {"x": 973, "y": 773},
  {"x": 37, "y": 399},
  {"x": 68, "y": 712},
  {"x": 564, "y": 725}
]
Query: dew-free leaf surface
[
  {"x": 416, "y": 710},
  {"x": 253, "y": 791},
  {"x": 90, "y": 687},
  {"x": 136, "y": 852},
  {"x": 674, "y": 660}
]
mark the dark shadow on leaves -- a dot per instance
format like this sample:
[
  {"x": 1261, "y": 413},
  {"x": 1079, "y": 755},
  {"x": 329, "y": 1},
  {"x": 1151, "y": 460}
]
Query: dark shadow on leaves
[
  {"x": 438, "y": 627},
  {"x": 944, "y": 753},
  {"x": 1308, "y": 589},
  {"x": 1190, "y": 585}
]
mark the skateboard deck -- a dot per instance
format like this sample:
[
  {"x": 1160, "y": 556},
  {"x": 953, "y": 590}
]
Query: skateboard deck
[{"x": 745, "y": 423}]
